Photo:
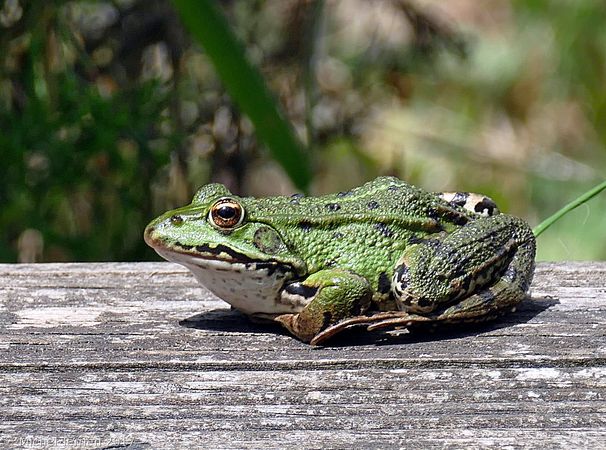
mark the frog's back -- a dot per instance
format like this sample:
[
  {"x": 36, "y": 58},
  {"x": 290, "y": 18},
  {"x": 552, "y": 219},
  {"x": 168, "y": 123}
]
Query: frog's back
[{"x": 385, "y": 199}]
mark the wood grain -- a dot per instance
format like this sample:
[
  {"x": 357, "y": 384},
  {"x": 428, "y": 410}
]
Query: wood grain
[{"x": 140, "y": 356}]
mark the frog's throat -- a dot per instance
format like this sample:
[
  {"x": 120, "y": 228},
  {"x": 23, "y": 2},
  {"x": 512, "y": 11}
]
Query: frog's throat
[{"x": 253, "y": 287}]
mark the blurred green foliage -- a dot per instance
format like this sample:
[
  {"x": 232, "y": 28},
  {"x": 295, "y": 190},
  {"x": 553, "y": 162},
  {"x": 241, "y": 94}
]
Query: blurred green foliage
[
  {"x": 84, "y": 177},
  {"x": 109, "y": 114},
  {"x": 78, "y": 163}
]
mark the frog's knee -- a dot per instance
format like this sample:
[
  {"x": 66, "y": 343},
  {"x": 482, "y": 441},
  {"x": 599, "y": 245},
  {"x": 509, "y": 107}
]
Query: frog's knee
[{"x": 476, "y": 203}]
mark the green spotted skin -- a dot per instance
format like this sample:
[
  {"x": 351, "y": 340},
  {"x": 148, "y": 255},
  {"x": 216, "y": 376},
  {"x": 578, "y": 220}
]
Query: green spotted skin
[{"x": 384, "y": 254}]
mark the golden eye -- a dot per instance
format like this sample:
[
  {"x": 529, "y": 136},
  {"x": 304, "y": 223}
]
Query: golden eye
[{"x": 226, "y": 214}]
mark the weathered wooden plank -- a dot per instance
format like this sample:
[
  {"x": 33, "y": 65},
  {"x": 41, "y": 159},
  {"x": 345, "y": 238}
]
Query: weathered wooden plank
[{"x": 95, "y": 355}]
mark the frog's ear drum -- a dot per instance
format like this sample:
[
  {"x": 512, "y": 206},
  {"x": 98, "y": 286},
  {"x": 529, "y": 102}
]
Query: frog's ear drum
[{"x": 226, "y": 214}]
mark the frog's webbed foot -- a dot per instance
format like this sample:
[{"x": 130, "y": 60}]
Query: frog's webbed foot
[{"x": 378, "y": 321}]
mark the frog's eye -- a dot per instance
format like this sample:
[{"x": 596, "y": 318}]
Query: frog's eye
[{"x": 226, "y": 214}]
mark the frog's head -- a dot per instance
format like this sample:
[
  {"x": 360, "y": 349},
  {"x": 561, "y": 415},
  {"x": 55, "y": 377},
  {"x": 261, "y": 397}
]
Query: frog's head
[{"x": 242, "y": 261}]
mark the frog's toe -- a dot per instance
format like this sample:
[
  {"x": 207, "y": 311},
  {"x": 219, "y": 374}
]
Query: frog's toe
[
  {"x": 335, "y": 329},
  {"x": 378, "y": 321},
  {"x": 400, "y": 319},
  {"x": 304, "y": 327}
]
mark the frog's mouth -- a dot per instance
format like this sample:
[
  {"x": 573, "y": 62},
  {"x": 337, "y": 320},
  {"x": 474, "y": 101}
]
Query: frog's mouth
[
  {"x": 249, "y": 285},
  {"x": 218, "y": 255}
]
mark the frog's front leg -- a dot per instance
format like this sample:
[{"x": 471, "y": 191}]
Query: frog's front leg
[
  {"x": 337, "y": 294},
  {"x": 480, "y": 269}
]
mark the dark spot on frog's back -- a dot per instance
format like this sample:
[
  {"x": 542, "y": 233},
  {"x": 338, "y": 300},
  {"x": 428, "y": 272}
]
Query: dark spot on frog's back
[
  {"x": 456, "y": 218},
  {"x": 415, "y": 240},
  {"x": 451, "y": 215},
  {"x": 372, "y": 205},
  {"x": 384, "y": 230},
  {"x": 305, "y": 225},
  {"x": 344, "y": 194},
  {"x": 332, "y": 207},
  {"x": 459, "y": 199},
  {"x": 486, "y": 206},
  {"x": 432, "y": 213},
  {"x": 294, "y": 199},
  {"x": 176, "y": 219}
]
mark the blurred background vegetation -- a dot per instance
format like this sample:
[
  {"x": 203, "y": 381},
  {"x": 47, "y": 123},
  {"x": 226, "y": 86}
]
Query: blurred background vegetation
[{"x": 111, "y": 114}]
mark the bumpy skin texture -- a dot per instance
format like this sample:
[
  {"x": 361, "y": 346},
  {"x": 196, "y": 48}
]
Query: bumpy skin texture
[{"x": 385, "y": 254}]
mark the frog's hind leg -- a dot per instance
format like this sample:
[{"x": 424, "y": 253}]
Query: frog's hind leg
[
  {"x": 483, "y": 306},
  {"x": 379, "y": 320},
  {"x": 475, "y": 274},
  {"x": 483, "y": 268},
  {"x": 476, "y": 203}
]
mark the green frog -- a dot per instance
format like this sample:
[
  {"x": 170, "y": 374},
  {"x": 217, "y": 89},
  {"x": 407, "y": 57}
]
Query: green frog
[{"x": 384, "y": 255}]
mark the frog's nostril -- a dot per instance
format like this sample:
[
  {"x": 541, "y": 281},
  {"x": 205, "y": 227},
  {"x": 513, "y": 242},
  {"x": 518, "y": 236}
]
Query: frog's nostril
[{"x": 176, "y": 219}]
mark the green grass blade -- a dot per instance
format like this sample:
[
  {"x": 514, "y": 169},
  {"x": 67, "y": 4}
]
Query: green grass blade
[
  {"x": 246, "y": 86},
  {"x": 569, "y": 207}
]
